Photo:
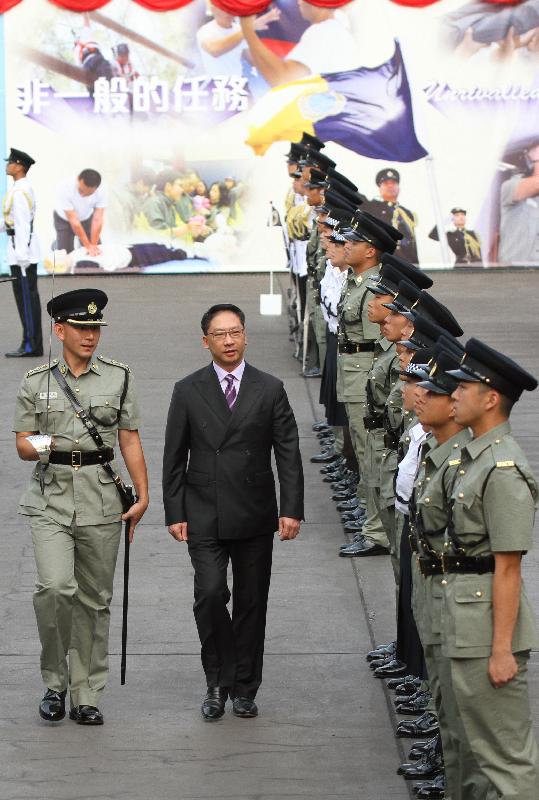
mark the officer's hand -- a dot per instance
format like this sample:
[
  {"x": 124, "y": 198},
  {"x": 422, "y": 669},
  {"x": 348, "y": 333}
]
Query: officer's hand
[
  {"x": 134, "y": 515},
  {"x": 502, "y": 668},
  {"x": 288, "y": 528},
  {"x": 178, "y": 531}
]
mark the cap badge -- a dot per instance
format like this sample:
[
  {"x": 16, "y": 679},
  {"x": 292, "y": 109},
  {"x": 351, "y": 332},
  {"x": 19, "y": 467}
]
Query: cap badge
[{"x": 92, "y": 308}]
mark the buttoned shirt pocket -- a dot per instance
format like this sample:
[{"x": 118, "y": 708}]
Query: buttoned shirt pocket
[
  {"x": 473, "y": 610},
  {"x": 105, "y": 409},
  {"x": 468, "y": 519},
  {"x": 112, "y": 505},
  {"x": 355, "y": 372},
  {"x": 56, "y": 420}
]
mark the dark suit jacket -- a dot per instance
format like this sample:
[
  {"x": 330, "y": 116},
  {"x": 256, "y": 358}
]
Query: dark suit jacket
[{"x": 217, "y": 472}]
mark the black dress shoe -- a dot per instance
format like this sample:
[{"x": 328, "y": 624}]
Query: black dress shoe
[
  {"x": 22, "y": 353},
  {"x": 426, "y": 725},
  {"x": 213, "y": 705},
  {"x": 348, "y": 505},
  {"x": 333, "y": 476},
  {"x": 356, "y": 538},
  {"x": 362, "y": 549},
  {"x": 354, "y": 515},
  {"x": 53, "y": 706},
  {"x": 394, "y": 683},
  {"x": 394, "y": 667},
  {"x": 325, "y": 457},
  {"x": 312, "y": 372},
  {"x": 414, "y": 705},
  {"x": 427, "y": 767},
  {"x": 381, "y": 662},
  {"x": 433, "y": 790},
  {"x": 381, "y": 651},
  {"x": 327, "y": 433},
  {"x": 244, "y": 708},
  {"x": 420, "y": 748},
  {"x": 347, "y": 494},
  {"x": 86, "y": 715},
  {"x": 408, "y": 686},
  {"x": 335, "y": 466},
  {"x": 320, "y": 426}
]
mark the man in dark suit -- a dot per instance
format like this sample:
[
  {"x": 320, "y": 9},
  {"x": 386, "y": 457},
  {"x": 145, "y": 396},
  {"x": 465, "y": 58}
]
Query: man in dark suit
[{"x": 219, "y": 497}]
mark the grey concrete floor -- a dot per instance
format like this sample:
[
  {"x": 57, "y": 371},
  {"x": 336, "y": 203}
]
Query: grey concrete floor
[{"x": 325, "y": 729}]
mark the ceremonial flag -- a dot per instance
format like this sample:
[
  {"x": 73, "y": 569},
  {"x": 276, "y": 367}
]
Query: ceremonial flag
[{"x": 368, "y": 110}]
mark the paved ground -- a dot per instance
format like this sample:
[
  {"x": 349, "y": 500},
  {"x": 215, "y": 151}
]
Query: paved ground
[{"x": 324, "y": 730}]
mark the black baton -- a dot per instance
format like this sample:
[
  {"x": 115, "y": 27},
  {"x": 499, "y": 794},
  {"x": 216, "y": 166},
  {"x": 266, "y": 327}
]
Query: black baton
[{"x": 125, "y": 601}]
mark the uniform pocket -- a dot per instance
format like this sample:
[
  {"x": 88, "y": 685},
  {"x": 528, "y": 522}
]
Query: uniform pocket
[
  {"x": 112, "y": 505},
  {"x": 32, "y": 497},
  {"x": 355, "y": 379},
  {"x": 473, "y": 610},
  {"x": 56, "y": 408},
  {"x": 105, "y": 408}
]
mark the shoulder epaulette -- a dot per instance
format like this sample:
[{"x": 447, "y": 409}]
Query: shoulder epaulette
[
  {"x": 114, "y": 363},
  {"x": 505, "y": 463},
  {"x": 37, "y": 369}
]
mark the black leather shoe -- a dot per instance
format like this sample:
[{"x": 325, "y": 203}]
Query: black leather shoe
[
  {"x": 389, "y": 670},
  {"x": 426, "y": 725},
  {"x": 320, "y": 426},
  {"x": 348, "y": 505},
  {"x": 327, "y": 433},
  {"x": 381, "y": 662},
  {"x": 86, "y": 715},
  {"x": 349, "y": 479},
  {"x": 312, "y": 372},
  {"x": 381, "y": 651},
  {"x": 356, "y": 538},
  {"x": 354, "y": 526},
  {"x": 422, "y": 770},
  {"x": 410, "y": 680},
  {"x": 408, "y": 687},
  {"x": 334, "y": 467},
  {"x": 53, "y": 706},
  {"x": 347, "y": 494},
  {"x": 421, "y": 748},
  {"x": 433, "y": 790},
  {"x": 22, "y": 353},
  {"x": 213, "y": 705},
  {"x": 362, "y": 549},
  {"x": 325, "y": 457},
  {"x": 414, "y": 705},
  {"x": 354, "y": 515},
  {"x": 244, "y": 708},
  {"x": 332, "y": 476}
]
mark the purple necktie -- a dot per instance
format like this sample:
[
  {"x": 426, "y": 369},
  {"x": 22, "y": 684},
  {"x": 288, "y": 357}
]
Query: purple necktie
[{"x": 230, "y": 391}]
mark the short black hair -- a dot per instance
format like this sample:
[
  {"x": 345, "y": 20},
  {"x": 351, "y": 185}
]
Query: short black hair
[
  {"x": 214, "y": 310},
  {"x": 91, "y": 178},
  {"x": 164, "y": 177}
]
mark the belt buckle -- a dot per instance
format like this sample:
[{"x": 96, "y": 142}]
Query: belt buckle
[
  {"x": 443, "y": 558},
  {"x": 76, "y": 458}
]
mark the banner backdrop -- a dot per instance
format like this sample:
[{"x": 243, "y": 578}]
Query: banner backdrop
[{"x": 184, "y": 115}]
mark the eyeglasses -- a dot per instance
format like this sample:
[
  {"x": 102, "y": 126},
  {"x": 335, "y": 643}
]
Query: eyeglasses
[{"x": 234, "y": 333}]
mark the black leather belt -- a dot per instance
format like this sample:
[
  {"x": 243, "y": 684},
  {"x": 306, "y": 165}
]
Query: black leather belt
[
  {"x": 429, "y": 566},
  {"x": 373, "y": 422},
  {"x": 356, "y": 347},
  {"x": 78, "y": 458},
  {"x": 389, "y": 442},
  {"x": 477, "y": 565}
]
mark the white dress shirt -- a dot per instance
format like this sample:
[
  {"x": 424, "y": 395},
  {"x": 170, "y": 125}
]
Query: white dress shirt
[
  {"x": 19, "y": 210},
  {"x": 407, "y": 469},
  {"x": 70, "y": 199},
  {"x": 330, "y": 292}
]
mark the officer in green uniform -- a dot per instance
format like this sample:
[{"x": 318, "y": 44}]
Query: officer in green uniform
[
  {"x": 379, "y": 385},
  {"x": 488, "y": 627},
  {"x": 315, "y": 254},
  {"x": 73, "y": 505},
  {"x": 367, "y": 239}
]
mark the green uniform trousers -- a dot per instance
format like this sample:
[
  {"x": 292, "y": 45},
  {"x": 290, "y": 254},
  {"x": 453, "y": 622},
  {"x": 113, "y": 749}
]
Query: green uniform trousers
[
  {"x": 498, "y": 726},
  {"x": 355, "y": 413},
  {"x": 75, "y": 573},
  {"x": 320, "y": 332},
  {"x": 373, "y": 528},
  {"x": 338, "y": 433}
]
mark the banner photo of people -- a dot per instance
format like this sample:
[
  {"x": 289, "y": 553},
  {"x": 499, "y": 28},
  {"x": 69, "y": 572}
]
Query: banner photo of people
[{"x": 161, "y": 131}]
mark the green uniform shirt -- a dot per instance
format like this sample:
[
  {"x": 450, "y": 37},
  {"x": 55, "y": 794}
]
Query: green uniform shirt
[
  {"x": 432, "y": 490},
  {"x": 493, "y": 499},
  {"x": 88, "y": 492},
  {"x": 378, "y": 388},
  {"x": 354, "y": 326}
]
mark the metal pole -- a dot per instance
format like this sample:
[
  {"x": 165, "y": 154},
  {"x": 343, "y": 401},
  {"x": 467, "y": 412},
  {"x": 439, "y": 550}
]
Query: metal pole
[{"x": 438, "y": 214}]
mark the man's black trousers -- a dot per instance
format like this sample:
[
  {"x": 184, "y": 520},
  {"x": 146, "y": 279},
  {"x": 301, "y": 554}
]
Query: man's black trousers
[{"x": 232, "y": 644}]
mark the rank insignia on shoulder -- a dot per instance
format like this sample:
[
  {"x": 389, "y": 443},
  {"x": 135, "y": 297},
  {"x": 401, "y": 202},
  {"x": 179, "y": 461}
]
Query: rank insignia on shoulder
[
  {"x": 36, "y": 369},
  {"x": 454, "y": 462},
  {"x": 505, "y": 463},
  {"x": 114, "y": 363}
]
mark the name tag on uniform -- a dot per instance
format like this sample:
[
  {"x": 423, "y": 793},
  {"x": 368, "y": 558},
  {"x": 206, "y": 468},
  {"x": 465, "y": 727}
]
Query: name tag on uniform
[{"x": 50, "y": 396}]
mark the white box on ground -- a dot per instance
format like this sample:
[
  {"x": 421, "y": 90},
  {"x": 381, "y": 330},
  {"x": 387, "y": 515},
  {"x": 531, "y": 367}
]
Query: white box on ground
[{"x": 271, "y": 304}]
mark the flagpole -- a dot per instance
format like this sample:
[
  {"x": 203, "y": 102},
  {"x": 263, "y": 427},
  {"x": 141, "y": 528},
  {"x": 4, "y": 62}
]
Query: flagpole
[{"x": 438, "y": 213}]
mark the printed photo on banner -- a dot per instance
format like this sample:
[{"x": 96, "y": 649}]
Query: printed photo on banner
[{"x": 159, "y": 137}]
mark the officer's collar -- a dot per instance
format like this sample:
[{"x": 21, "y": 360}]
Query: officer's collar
[
  {"x": 449, "y": 450},
  {"x": 64, "y": 369},
  {"x": 384, "y": 343},
  {"x": 494, "y": 436}
]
